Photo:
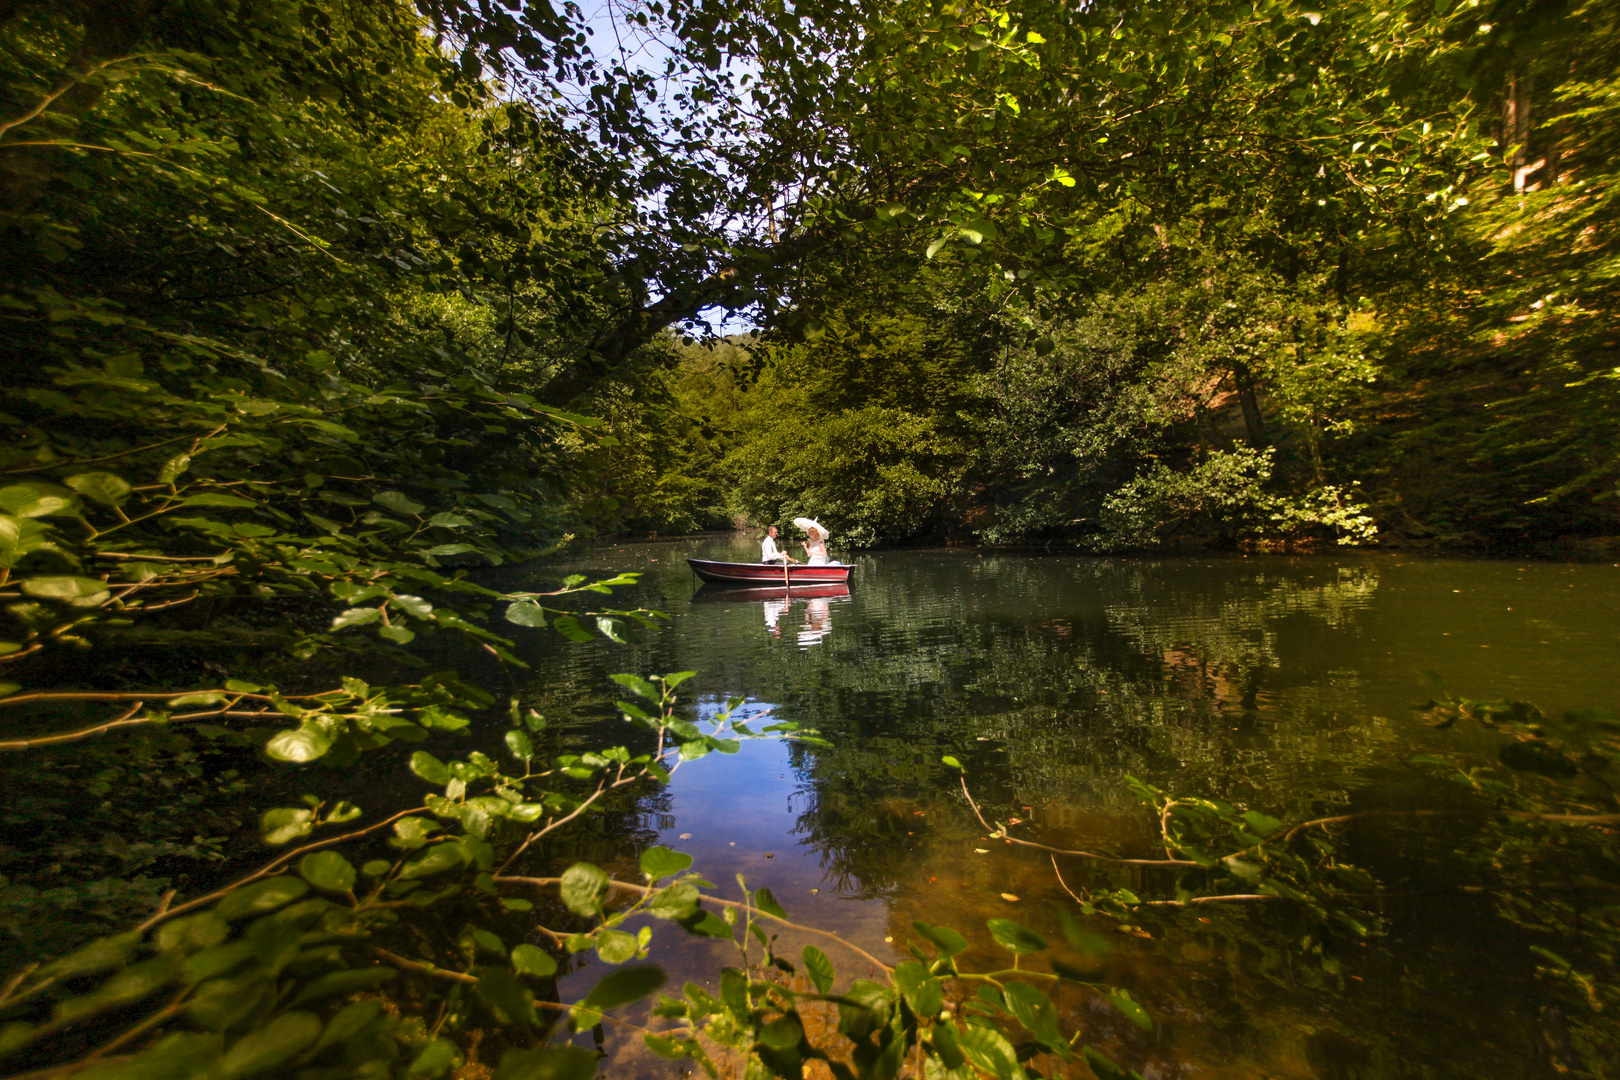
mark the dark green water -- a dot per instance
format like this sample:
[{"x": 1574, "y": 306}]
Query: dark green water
[{"x": 1283, "y": 684}]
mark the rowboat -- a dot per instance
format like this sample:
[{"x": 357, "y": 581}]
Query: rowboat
[{"x": 768, "y": 574}]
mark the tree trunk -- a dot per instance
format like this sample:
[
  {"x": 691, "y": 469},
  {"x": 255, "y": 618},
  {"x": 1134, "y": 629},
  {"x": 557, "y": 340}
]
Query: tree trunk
[{"x": 1253, "y": 422}]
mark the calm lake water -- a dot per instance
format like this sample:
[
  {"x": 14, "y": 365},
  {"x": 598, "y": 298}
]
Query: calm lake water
[{"x": 1283, "y": 684}]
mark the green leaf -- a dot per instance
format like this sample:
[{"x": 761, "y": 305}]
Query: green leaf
[
  {"x": 705, "y": 923},
  {"x": 327, "y": 870},
  {"x": 533, "y": 960},
  {"x": 69, "y": 589},
  {"x": 1015, "y": 937},
  {"x": 1105, "y": 1068},
  {"x": 436, "y": 1059},
  {"x": 34, "y": 500},
  {"x": 1122, "y": 1000},
  {"x": 102, "y": 954},
  {"x": 616, "y": 946},
  {"x": 450, "y": 549},
  {"x": 584, "y": 887},
  {"x": 285, "y": 823},
  {"x": 260, "y": 896},
  {"x": 949, "y": 942},
  {"x": 676, "y": 902},
  {"x": 101, "y": 487},
  {"x": 520, "y": 745},
  {"x": 660, "y": 862},
  {"x": 356, "y": 616},
  {"x": 624, "y": 986},
  {"x": 819, "y": 968},
  {"x": 526, "y": 613},
  {"x": 569, "y": 627},
  {"x": 447, "y": 520},
  {"x": 399, "y": 635},
  {"x": 181, "y": 1054},
  {"x": 434, "y": 860},
  {"x": 1036, "y": 1012},
  {"x": 299, "y": 745},
  {"x": 214, "y": 499},
  {"x": 344, "y": 983},
  {"x": 952, "y": 762},
  {"x": 398, "y": 502},
  {"x": 674, "y": 680},
  {"x": 430, "y": 768},
  {"x": 174, "y": 468},
  {"x": 920, "y": 989},
  {"x": 412, "y": 832},
  {"x": 637, "y": 685},
  {"x": 947, "y": 1045},
  {"x": 765, "y": 901},
  {"x": 548, "y": 1063},
  {"x": 989, "y": 1050},
  {"x": 501, "y": 987}
]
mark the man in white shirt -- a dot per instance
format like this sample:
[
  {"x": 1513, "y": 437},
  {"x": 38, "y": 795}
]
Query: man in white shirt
[{"x": 768, "y": 552}]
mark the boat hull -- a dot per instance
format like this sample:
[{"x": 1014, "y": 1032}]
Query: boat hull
[{"x": 767, "y": 574}]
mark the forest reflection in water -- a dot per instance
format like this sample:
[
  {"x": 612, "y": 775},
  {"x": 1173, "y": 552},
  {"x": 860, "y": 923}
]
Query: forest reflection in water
[{"x": 1281, "y": 684}]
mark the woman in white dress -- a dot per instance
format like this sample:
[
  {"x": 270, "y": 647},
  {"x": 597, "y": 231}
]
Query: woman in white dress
[{"x": 815, "y": 548}]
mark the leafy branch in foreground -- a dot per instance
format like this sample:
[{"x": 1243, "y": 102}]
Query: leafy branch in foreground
[{"x": 282, "y": 970}]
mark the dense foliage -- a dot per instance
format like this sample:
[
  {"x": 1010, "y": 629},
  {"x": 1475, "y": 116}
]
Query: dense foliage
[{"x": 317, "y": 313}]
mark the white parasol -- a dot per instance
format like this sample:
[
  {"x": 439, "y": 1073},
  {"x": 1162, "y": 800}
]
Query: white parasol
[{"x": 810, "y": 525}]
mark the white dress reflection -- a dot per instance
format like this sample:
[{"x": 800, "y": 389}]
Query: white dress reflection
[
  {"x": 817, "y": 621},
  {"x": 773, "y": 614}
]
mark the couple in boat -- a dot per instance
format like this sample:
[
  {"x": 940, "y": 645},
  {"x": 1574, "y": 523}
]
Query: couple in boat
[{"x": 815, "y": 548}]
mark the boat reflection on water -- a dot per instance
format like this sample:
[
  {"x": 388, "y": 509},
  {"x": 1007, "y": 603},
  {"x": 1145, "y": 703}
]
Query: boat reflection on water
[{"x": 776, "y": 603}]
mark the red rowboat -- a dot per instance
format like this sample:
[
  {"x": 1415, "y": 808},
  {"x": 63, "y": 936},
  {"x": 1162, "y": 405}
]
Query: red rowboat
[{"x": 767, "y": 574}]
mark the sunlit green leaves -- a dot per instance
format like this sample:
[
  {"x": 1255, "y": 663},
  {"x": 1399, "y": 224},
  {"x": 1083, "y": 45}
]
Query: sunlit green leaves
[
  {"x": 429, "y": 768},
  {"x": 819, "y": 968},
  {"x": 532, "y": 960},
  {"x": 299, "y": 745},
  {"x": 584, "y": 887},
  {"x": 67, "y": 589},
  {"x": 526, "y": 613},
  {"x": 327, "y": 870},
  {"x": 948, "y": 941},
  {"x": 102, "y": 487},
  {"x": 261, "y": 896},
  {"x": 34, "y": 499},
  {"x": 920, "y": 989},
  {"x": 660, "y": 862},
  {"x": 288, "y": 823}
]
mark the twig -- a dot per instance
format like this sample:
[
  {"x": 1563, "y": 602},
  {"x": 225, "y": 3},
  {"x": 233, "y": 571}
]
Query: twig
[
  {"x": 437, "y": 972},
  {"x": 1210, "y": 899},
  {"x": 1002, "y": 833},
  {"x": 269, "y": 868},
  {"x": 648, "y": 891},
  {"x": 110, "y": 457},
  {"x": 156, "y": 695},
  {"x": 82, "y": 733},
  {"x": 1061, "y": 882}
]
